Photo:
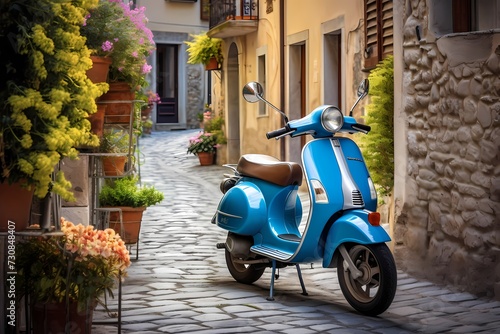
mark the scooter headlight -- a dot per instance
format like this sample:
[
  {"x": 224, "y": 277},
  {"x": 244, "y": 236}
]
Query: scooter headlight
[{"x": 332, "y": 119}]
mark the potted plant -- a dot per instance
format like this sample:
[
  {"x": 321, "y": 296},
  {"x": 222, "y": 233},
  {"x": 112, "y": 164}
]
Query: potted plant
[
  {"x": 148, "y": 98},
  {"x": 147, "y": 126},
  {"x": 69, "y": 273},
  {"x": 116, "y": 31},
  {"x": 112, "y": 29},
  {"x": 203, "y": 145},
  {"x": 132, "y": 199},
  {"x": 46, "y": 96},
  {"x": 117, "y": 143},
  {"x": 205, "y": 50}
]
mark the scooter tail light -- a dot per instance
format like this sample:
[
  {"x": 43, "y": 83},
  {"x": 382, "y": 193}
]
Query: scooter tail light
[{"x": 374, "y": 218}]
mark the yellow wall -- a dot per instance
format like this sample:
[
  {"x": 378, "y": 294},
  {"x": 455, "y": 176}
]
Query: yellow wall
[{"x": 313, "y": 18}]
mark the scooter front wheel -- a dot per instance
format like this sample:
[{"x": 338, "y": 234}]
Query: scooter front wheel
[
  {"x": 371, "y": 293},
  {"x": 243, "y": 273}
]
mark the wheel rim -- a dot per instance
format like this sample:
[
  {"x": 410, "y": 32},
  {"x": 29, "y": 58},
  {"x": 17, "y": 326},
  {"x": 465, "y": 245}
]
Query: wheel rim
[{"x": 365, "y": 287}]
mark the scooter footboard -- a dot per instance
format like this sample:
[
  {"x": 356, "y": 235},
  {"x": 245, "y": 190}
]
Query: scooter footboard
[{"x": 352, "y": 227}]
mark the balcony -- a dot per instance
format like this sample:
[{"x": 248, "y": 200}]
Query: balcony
[{"x": 229, "y": 18}]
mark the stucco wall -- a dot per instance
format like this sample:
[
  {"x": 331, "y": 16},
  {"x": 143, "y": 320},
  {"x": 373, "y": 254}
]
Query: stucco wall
[{"x": 448, "y": 224}]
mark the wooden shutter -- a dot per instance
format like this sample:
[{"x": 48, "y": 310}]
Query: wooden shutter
[
  {"x": 371, "y": 44},
  {"x": 378, "y": 31},
  {"x": 387, "y": 31}
]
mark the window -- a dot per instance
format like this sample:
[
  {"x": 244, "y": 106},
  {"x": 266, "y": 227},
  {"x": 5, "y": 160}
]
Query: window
[
  {"x": 461, "y": 16},
  {"x": 378, "y": 31},
  {"x": 474, "y": 15}
]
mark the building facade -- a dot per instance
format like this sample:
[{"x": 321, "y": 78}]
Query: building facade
[
  {"x": 447, "y": 142},
  {"x": 181, "y": 87},
  {"x": 446, "y": 114}
]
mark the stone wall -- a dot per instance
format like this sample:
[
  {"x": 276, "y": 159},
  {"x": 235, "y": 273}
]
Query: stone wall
[
  {"x": 195, "y": 90},
  {"x": 449, "y": 227}
]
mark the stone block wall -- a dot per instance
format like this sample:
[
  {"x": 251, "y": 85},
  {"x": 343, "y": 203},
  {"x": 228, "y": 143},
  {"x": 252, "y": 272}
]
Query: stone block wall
[{"x": 449, "y": 226}]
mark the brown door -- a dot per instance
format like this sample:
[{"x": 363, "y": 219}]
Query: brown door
[{"x": 167, "y": 77}]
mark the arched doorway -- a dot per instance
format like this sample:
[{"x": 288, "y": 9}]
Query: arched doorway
[{"x": 233, "y": 105}]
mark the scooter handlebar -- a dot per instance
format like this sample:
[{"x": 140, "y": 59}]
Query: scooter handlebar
[
  {"x": 277, "y": 133},
  {"x": 361, "y": 128}
]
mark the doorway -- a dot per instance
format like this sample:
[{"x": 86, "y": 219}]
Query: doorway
[
  {"x": 233, "y": 105},
  {"x": 167, "y": 83},
  {"x": 332, "y": 69}
]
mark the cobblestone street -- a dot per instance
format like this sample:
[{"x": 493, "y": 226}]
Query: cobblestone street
[{"x": 180, "y": 283}]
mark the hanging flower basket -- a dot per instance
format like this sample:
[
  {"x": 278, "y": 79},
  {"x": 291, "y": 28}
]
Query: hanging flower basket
[{"x": 212, "y": 64}]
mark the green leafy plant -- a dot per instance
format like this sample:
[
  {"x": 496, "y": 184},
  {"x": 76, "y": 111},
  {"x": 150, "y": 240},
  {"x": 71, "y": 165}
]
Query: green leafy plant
[
  {"x": 126, "y": 192},
  {"x": 202, "y": 48},
  {"x": 45, "y": 95},
  {"x": 200, "y": 117},
  {"x": 378, "y": 145},
  {"x": 115, "y": 141},
  {"x": 79, "y": 266},
  {"x": 202, "y": 142},
  {"x": 147, "y": 124}
]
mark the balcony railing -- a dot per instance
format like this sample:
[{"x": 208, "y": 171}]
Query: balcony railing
[{"x": 239, "y": 13}]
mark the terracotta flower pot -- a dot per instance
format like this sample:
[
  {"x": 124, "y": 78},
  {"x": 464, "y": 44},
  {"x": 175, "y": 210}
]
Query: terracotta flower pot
[
  {"x": 206, "y": 158},
  {"x": 132, "y": 218},
  {"x": 97, "y": 120},
  {"x": 15, "y": 206},
  {"x": 114, "y": 165},
  {"x": 119, "y": 100},
  {"x": 51, "y": 318},
  {"x": 100, "y": 68},
  {"x": 212, "y": 65}
]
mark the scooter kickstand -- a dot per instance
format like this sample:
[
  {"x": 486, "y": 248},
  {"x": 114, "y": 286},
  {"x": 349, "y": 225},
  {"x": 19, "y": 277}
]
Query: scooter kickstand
[
  {"x": 271, "y": 290},
  {"x": 304, "y": 292}
]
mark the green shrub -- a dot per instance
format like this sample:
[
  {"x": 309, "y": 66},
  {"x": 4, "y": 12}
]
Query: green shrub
[
  {"x": 126, "y": 192},
  {"x": 378, "y": 145},
  {"x": 214, "y": 126}
]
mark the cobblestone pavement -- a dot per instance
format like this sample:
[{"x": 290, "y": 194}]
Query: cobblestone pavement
[{"x": 180, "y": 283}]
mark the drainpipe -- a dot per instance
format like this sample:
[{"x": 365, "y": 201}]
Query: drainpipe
[{"x": 282, "y": 72}]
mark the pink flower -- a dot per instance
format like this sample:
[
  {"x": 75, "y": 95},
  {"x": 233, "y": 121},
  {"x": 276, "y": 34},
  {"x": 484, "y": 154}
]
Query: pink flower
[{"x": 107, "y": 46}]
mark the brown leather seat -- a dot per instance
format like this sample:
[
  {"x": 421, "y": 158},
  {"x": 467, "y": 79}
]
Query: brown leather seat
[{"x": 270, "y": 169}]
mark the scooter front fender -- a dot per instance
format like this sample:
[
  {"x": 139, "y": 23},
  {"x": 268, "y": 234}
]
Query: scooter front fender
[{"x": 354, "y": 227}]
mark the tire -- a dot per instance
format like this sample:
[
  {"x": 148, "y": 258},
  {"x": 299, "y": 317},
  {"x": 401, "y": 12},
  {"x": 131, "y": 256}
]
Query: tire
[
  {"x": 373, "y": 292},
  {"x": 246, "y": 274}
]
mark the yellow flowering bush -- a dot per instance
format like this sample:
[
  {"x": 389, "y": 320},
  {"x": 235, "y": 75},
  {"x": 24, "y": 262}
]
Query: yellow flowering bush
[
  {"x": 45, "y": 94},
  {"x": 81, "y": 265}
]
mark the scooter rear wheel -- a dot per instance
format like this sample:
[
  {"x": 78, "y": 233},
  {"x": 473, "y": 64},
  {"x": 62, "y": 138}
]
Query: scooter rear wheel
[
  {"x": 373, "y": 292},
  {"x": 243, "y": 273}
]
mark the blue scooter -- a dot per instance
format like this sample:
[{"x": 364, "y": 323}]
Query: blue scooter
[{"x": 262, "y": 210}]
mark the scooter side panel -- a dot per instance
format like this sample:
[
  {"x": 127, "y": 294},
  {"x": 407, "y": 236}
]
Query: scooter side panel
[
  {"x": 242, "y": 210},
  {"x": 359, "y": 172},
  {"x": 352, "y": 227}
]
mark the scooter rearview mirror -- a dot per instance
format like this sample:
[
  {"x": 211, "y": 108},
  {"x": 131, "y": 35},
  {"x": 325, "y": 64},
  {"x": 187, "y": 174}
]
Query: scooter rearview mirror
[
  {"x": 252, "y": 92},
  {"x": 363, "y": 88}
]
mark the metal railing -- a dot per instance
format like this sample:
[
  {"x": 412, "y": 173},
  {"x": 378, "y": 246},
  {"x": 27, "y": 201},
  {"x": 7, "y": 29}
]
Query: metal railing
[{"x": 225, "y": 10}]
